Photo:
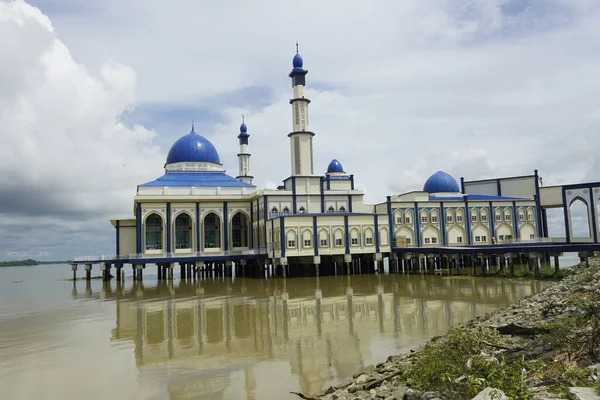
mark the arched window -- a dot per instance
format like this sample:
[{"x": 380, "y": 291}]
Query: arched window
[
  {"x": 530, "y": 214},
  {"x": 183, "y": 231},
  {"x": 342, "y": 209},
  {"x": 323, "y": 236},
  {"x": 154, "y": 232},
  {"x": 301, "y": 210},
  {"x": 338, "y": 236},
  {"x": 286, "y": 211},
  {"x": 354, "y": 239},
  {"x": 331, "y": 209},
  {"x": 274, "y": 212},
  {"x": 239, "y": 230},
  {"x": 212, "y": 231},
  {"x": 369, "y": 237}
]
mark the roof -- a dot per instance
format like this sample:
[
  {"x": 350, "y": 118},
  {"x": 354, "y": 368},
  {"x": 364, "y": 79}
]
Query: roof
[
  {"x": 197, "y": 179},
  {"x": 441, "y": 182},
  {"x": 335, "y": 166},
  {"x": 193, "y": 148}
]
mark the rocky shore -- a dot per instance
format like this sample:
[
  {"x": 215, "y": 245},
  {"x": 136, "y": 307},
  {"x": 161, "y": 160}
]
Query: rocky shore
[{"x": 546, "y": 346}]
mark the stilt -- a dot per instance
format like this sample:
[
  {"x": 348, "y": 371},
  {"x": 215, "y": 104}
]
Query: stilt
[
  {"x": 74, "y": 268},
  {"x": 88, "y": 272},
  {"x": 556, "y": 265}
]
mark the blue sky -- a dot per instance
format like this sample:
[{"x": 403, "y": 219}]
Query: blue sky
[{"x": 99, "y": 90}]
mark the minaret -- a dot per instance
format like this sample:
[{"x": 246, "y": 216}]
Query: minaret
[
  {"x": 244, "y": 156},
  {"x": 301, "y": 136}
]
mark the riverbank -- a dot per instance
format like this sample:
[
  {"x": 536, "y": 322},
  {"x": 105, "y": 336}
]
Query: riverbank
[{"x": 538, "y": 348}]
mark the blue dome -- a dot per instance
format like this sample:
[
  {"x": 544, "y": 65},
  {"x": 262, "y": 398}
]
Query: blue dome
[
  {"x": 441, "y": 182},
  {"x": 193, "y": 148},
  {"x": 243, "y": 128},
  {"x": 335, "y": 166},
  {"x": 297, "y": 62}
]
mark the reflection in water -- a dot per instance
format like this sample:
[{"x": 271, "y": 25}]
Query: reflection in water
[{"x": 198, "y": 336}]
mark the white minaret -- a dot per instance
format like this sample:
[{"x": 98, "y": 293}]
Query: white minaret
[
  {"x": 301, "y": 136},
  {"x": 244, "y": 156}
]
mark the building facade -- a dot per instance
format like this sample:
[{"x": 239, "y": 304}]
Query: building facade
[{"x": 196, "y": 211}]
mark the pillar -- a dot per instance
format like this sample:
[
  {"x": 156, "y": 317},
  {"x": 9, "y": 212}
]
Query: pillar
[
  {"x": 74, "y": 269},
  {"x": 88, "y": 272},
  {"x": 556, "y": 265}
]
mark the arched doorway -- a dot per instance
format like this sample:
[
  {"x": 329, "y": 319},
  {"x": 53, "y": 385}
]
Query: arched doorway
[
  {"x": 183, "y": 232},
  {"x": 154, "y": 232},
  {"x": 212, "y": 231},
  {"x": 239, "y": 230}
]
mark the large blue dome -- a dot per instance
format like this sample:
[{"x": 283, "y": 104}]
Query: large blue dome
[
  {"x": 193, "y": 148},
  {"x": 441, "y": 182},
  {"x": 335, "y": 166}
]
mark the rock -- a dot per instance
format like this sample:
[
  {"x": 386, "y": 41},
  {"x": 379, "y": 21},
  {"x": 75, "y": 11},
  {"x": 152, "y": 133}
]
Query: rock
[
  {"x": 362, "y": 379},
  {"x": 352, "y": 388},
  {"x": 583, "y": 393},
  {"x": 330, "y": 390},
  {"x": 412, "y": 395},
  {"x": 400, "y": 391},
  {"x": 365, "y": 371},
  {"x": 430, "y": 395},
  {"x": 339, "y": 395},
  {"x": 490, "y": 394}
]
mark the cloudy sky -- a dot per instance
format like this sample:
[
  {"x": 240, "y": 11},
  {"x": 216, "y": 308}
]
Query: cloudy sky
[{"x": 93, "y": 93}]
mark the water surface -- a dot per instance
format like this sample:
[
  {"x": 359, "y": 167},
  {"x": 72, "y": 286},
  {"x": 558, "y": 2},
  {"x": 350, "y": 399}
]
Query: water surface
[{"x": 219, "y": 338}]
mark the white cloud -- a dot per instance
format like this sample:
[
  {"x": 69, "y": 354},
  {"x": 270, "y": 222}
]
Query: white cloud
[
  {"x": 64, "y": 153},
  {"x": 399, "y": 89}
]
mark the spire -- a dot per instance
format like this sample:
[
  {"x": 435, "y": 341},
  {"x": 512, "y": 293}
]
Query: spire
[
  {"x": 297, "y": 60},
  {"x": 193, "y": 131},
  {"x": 296, "y": 47}
]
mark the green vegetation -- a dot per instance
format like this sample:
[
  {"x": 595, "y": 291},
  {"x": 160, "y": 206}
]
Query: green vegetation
[
  {"x": 29, "y": 262},
  {"x": 463, "y": 363}
]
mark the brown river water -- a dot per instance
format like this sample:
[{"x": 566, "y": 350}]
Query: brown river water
[{"x": 219, "y": 338}]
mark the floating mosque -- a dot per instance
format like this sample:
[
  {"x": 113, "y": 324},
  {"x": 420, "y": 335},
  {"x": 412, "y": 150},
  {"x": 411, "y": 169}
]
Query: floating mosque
[{"x": 196, "y": 214}]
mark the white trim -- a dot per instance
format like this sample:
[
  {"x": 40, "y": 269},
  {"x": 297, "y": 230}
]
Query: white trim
[{"x": 194, "y": 166}]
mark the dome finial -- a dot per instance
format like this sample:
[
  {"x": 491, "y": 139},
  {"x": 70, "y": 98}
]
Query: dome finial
[
  {"x": 243, "y": 127},
  {"x": 296, "y": 47},
  {"x": 243, "y": 119},
  {"x": 193, "y": 127}
]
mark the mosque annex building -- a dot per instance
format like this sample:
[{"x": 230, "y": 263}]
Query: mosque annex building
[{"x": 197, "y": 214}]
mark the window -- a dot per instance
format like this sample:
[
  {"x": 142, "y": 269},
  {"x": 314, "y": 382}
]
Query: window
[
  {"x": 338, "y": 242},
  {"x": 274, "y": 212},
  {"x": 399, "y": 220},
  {"x": 532, "y": 236},
  {"x": 459, "y": 239},
  {"x": 408, "y": 241},
  {"x": 501, "y": 237},
  {"x": 330, "y": 210},
  {"x": 434, "y": 219},
  {"x": 449, "y": 219},
  {"x": 484, "y": 218},
  {"x": 507, "y": 217},
  {"x": 212, "y": 231},
  {"x": 484, "y": 238},
  {"x": 323, "y": 243},
  {"x": 354, "y": 241},
  {"x": 478, "y": 238},
  {"x": 239, "y": 230},
  {"x": 369, "y": 240},
  {"x": 521, "y": 217},
  {"x": 473, "y": 218},
  {"x": 433, "y": 240},
  {"x": 424, "y": 219},
  {"x": 342, "y": 209},
  {"x": 427, "y": 240},
  {"x": 301, "y": 210},
  {"x": 459, "y": 218},
  {"x": 306, "y": 242},
  {"x": 407, "y": 220},
  {"x": 183, "y": 231},
  {"x": 291, "y": 243},
  {"x": 530, "y": 215},
  {"x": 498, "y": 217},
  {"x": 154, "y": 232},
  {"x": 286, "y": 211}
]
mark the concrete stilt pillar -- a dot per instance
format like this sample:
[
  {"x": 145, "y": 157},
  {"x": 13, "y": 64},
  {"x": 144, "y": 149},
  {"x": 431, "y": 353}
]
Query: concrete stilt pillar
[
  {"x": 106, "y": 273},
  {"x": 556, "y": 265},
  {"x": 88, "y": 272},
  {"x": 119, "y": 268},
  {"x": 74, "y": 269}
]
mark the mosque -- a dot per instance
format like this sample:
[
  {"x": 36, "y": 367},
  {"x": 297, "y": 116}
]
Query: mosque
[{"x": 198, "y": 213}]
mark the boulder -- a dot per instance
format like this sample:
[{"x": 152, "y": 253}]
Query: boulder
[
  {"x": 490, "y": 394},
  {"x": 583, "y": 393}
]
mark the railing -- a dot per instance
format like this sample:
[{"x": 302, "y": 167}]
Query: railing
[
  {"x": 178, "y": 254},
  {"x": 525, "y": 241}
]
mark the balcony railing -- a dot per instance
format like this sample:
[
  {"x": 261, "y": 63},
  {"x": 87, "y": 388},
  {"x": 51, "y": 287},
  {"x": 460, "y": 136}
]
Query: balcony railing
[{"x": 168, "y": 255}]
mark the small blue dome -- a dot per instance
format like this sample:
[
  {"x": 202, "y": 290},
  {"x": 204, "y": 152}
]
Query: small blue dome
[
  {"x": 441, "y": 182},
  {"x": 335, "y": 166},
  {"x": 193, "y": 148},
  {"x": 297, "y": 62},
  {"x": 243, "y": 130}
]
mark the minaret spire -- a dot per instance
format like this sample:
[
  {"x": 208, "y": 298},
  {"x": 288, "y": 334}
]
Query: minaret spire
[
  {"x": 301, "y": 136},
  {"x": 244, "y": 156}
]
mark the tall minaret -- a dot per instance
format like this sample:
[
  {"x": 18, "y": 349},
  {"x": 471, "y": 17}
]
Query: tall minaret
[
  {"x": 301, "y": 136},
  {"x": 244, "y": 156}
]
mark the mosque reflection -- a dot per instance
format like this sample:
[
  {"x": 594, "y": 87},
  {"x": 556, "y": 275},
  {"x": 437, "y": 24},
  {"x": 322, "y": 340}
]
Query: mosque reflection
[{"x": 324, "y": 329}]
